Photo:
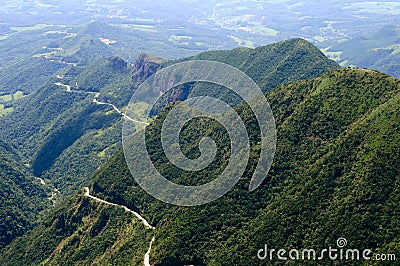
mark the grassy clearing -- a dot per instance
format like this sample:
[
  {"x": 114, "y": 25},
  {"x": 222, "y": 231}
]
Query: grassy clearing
[
  {"x": 5, "y": 111},
  {"x": 342, "y": 40},
  {"x": 18, "y": 95},
  {"x": 45, "y": 54},
  {"x": 319, "y": 38},
  {"x": 143, "y": 19},
  {"x": 139, "y": 27},
  {"x": 111, "y": 112},
  {"x": 137, "y": 110},
  {"x": 145, "y": 30},
  {"x": 98, "y": 133},
  {"x": 11, "y": 97},
  {"x": 334, "y": 55},
  {"x": 102, "y": 154},
  {"x": 242, "y": 42},
  {"x": 6, "y": 98},
  {"x": 394, "y": 47},
  {"x": 263, "y": 30},
  {"x": 200, "y": 43},
  {"x": 70, "y": 35},
  {"x": 177, "y": 38},
  {"x": 142, "y": 26},
  {"x": 61, "y": 32},
  {"x": 344, "y": 63}
]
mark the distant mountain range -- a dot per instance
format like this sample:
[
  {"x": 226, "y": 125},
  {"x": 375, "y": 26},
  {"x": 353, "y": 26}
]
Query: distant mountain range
[{"x": 378, "y": 50}]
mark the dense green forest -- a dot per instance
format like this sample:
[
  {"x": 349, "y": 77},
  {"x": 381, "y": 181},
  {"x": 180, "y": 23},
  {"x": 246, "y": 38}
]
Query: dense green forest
[
  {"x": 48, "y": 114},
  {"x": 329, "y": 70},
  {"x": 63, "y": 137},
  {"x": 272, "y": 65},
  {"x": 269, "y": 66},
  {"x": 335, "y": 172},
  {"x": 51, "y": 114},
  {"x": 22, "y": 197}
]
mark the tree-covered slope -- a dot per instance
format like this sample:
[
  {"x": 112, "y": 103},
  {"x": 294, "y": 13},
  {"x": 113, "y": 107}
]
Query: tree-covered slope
[
  {"x": 21, "y": 196},
  {"x": 83, "y": 232},
  {"x": 275, "y": 64},
  {"x": 336, "y": 171},
  {"x": 65, "y": 136},
  {"x": 269, "y": 66},
  {"x": 335, "y": 174}
]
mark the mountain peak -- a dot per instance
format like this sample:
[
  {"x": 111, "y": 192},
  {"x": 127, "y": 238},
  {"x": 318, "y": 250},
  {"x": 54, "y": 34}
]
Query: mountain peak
[{"x": 145, "y": 66}]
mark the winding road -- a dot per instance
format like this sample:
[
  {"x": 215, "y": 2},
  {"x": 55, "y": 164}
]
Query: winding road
[
  {"x": 87, "y": 192},
  {"x": 143, "y": 220},
  {"x": 95, "y": 96}
]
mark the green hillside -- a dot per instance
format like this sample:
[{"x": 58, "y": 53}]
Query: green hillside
[
  {"x": 65, "y": 136},
  {"x": 21, "y": 196},
  {"x": 335, "y": 174},
  {"x": 269, "y": 66},
  {"x": 83, "y": 232},
  {"x": 275, "y": 64}
]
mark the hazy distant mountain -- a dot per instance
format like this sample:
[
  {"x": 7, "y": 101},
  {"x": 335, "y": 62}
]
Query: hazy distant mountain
[{"x": 380, "y": 51}]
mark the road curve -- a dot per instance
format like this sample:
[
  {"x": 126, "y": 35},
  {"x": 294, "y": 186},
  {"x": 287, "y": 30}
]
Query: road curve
[
  {"x": 144, "y": 221},
  {"x": 96, "y": 95}
]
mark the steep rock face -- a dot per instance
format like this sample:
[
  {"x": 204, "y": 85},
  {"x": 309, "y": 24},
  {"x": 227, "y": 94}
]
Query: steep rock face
[
  {"x": 145, "y": 66},
  {"x": 118, "y": 63},
  {"x": 269, "y": 66}
]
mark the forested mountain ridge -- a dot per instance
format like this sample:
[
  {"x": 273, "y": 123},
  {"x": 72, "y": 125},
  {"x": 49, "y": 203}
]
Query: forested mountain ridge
[
  {"x": 269, "y": 66},
  {"x": 58, "y": 126},
  {"x": 335, "y": 172},
  {"x": 89, "y": 131},
  {"x": 51, "y": 113},
  {"x": 275, "y": 64},
  {"x": 70, "y": 72}
]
